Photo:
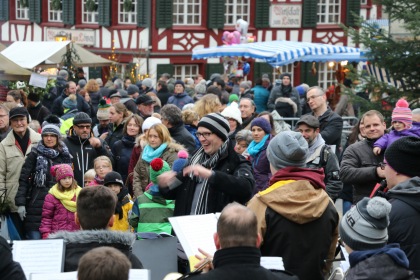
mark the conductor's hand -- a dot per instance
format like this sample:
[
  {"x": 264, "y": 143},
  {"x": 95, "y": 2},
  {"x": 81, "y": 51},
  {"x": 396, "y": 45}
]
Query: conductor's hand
[{"x": 165, "y": 179}]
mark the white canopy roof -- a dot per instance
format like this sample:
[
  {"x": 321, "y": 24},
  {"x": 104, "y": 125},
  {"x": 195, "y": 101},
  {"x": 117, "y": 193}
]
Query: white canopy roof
[
  {"x": 11, "y": 71},
  {"x": 273, "y": 52},
  {"x": 31, "y": 54}
]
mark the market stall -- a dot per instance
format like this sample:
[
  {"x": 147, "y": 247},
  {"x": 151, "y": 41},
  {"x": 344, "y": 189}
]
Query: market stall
[{"x": 11, "y": 71}]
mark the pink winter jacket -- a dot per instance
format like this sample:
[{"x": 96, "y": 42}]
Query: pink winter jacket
[{"x": 56, "y": 217}]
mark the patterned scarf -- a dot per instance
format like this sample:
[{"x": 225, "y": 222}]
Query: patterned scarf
[
  {"x": 200, "y": 157},
  {"x": 46, "y": 155},
  {"x": 67, "y": 198}
]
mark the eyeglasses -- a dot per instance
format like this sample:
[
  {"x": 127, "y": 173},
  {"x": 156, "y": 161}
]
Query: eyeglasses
[
  {"x": 313, "y": 97},
  {"x": 83, "y": 126},
  {"x": 204, "y": 134},
  {"x": 382, "y": 165}
]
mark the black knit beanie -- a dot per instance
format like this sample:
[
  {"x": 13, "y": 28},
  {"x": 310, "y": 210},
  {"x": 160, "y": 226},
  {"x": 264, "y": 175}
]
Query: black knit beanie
[{"x": 404, "y": 156}]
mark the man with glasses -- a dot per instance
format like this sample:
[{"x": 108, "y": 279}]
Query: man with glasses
[
  {"x": 215, "y": 174},
  {"x": 331, "y": 124},
  {"x": 13, "y": 151},
  {"x": 360, "y": 167},
  {"x": 83, "y": 146}
]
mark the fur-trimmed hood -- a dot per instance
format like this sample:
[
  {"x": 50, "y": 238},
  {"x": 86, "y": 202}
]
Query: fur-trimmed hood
[
  {"x": 95, "y": 236},
  {"x": 289, "y": 101}
]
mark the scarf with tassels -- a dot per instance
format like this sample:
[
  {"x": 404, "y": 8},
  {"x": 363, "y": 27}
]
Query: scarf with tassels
[
  {"x": 45, "y": 155},
  {"x": 200, "y": 157},
  {"x": 67, "y": 198}
]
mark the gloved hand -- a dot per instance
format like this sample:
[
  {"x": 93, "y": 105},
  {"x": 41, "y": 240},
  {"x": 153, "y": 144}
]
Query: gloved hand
[{"x": 22, "y": 212}]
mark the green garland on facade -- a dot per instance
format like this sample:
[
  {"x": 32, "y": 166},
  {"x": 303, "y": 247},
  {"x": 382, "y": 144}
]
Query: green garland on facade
[
  {"x": 24, "y": 3},
  {"x": 28, "y": 88},
  {"x": 91, "y": 6},
  {"x": 128, "y": 5},
  {"x": 56, "y": 5}
]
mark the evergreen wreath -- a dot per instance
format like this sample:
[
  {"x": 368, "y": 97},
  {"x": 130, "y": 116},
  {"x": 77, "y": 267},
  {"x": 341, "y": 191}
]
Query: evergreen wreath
[
  {"x": 56, "y": 5},
  {"x": 91, "y": 6},
  {"x": 128, "y": 5},
  {"x": 24, "y": 3}
]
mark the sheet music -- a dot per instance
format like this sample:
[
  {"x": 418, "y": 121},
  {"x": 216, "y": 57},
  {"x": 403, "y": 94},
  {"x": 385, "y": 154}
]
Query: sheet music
[
  {"x": 195, "y": 231},
  {"x": 345, "y": 265},
  {"x": 39, "y": 256},
  {"x": 272, "y": 263},
  {"x": 134, "y": 274}
]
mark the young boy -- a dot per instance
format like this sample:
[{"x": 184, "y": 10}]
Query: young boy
[
  {"x": 363, "y": 229},
  {"x": 151, "y": 211},
  {"x": 95, "y": 214},
  {"x": 113, "y": 180}
]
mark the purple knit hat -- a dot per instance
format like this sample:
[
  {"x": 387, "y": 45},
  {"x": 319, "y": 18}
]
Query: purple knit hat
[{"x": 263, "y": 123}]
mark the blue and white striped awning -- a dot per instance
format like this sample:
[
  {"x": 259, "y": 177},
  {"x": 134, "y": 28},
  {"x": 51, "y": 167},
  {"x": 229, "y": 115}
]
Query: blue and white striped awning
[
  {"x": 335, "y": 57},
  {"x": 274, "y": 52},
  {"x": 376, "y": 22}
]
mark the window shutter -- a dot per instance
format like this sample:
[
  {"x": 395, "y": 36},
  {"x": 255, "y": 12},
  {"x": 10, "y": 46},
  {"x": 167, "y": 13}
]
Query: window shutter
[
  {"x": 310, "y": 16},
  {"x": 164, "y": 13},
  {"x": 68, "y": 12},
  {"x": 212, "y": 68},
  {"x": 164, "y": 68},
  {"x": 4, "y": 10},
  {"x": 143, "y": 13},
  {"x": 261, "y": 68},
  {"x": 353, "y": 6},
  {"x": 216, "y": 14},
  {"x": 35, "y": 7},
  {"x": 262, "y": 14},
  {"x": 104, "y": 12},
  {"x": 306, "y": 74}
]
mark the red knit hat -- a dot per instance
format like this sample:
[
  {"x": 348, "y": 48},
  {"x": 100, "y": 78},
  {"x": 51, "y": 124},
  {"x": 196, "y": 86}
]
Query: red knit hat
[
  {"x": 402, "y": 113},
  {"x": 61, "y": 171}
]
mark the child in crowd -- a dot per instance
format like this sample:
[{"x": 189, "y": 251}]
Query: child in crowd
[
  {"x": 60, "y": 202},
  {"x": 151, "y": 211},
  {"x": 102, "y": 166},
  {"x": 363, "y": 230},
  {"x": 89, "y": 177},
  {"x": 113, "y": 180},
  {"x": 402, "y": 119},
  {"x": 243, "y": 138}
]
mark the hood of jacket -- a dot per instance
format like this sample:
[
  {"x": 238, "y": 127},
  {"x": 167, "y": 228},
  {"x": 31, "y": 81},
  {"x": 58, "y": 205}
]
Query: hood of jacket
[
  {"x": 408, "y": 192},
  {"x": 294, "y": 196},
  {"x": 95, "y": 236},
  {"x": 392, "y": 250},
  {"x": 289, "y": 101}
]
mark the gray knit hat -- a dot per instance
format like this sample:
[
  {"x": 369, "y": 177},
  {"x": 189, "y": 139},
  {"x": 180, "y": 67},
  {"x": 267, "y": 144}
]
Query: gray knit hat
[
  {"x": 364, "y": 226},
  {"x": 51, "y": 129},
  {"x": 288, "y": 148},
  {"x": 82, "y": 117},
  {"x": 217, "y": 124}
]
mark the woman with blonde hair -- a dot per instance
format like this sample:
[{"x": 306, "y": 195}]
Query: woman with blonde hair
[
  {"x": 117, "y": 115},
  {"x": 209, "y": 103},
  {"x": 159, "y": 144},
  {"x": 92, "y": 88}
]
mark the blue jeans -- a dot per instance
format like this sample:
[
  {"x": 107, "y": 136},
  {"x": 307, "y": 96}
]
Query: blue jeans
[
  {"x": 33, "y": 235},
  {"x": 346, "y": 206}
]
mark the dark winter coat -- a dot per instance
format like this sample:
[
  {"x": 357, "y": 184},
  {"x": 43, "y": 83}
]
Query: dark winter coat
[
  {"x": 180, "y": 100},
  {"x": 163, "y": 96},
  {"x": 95, "y": 97},
  {"x": 276, "y": 93},
  {"x": 181, "y": 135},
  {"x": 193, "y": 130},
  {"x": 39, "y": 112},
  {"x": 388, "y": 263},
  {"x": 84, "y": 154},
  {"x": 80, "y": 242},
  {"x": 9, "y": 269},
  {"x": 114, "y": 134},
  {"x": 131, "y": 105},
  {"x": 29, "y": 195},
  {"x": 261, "y": 168},
  {"x": 57, "y": 107},
  {"x": 232, "y": 181},
  {"x": 404, "y": 226},
  {"x": 297, "y": 221},
  {"x": 331, "y": 127},
  {"x": 241, "y": 263},
  {"x": 358, "y": 168},
  {"x": 121, "y": 151}
]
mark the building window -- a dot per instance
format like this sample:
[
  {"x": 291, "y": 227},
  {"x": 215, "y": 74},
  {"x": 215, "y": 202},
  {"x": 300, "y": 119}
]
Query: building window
[
  {"x": 90, "y": 11},
  {"x": 22, "y": 12},
  {"x": 236, "y": 9},
  {"x": 127, "y": 12},
  {"x": 182, "y": 72},
  {"x": 363, "y": 2},
  {"x": 286, "y": 69},
  {"x": 55, "y": 13},
  {"x": 326, "y": 75},
  {"x": 187, "y": 12},
  {"x": 328, "y": 11}
]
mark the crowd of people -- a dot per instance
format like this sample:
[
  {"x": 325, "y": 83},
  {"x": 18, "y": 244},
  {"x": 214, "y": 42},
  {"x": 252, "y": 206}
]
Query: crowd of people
[{"x": 99, "y": 164}]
